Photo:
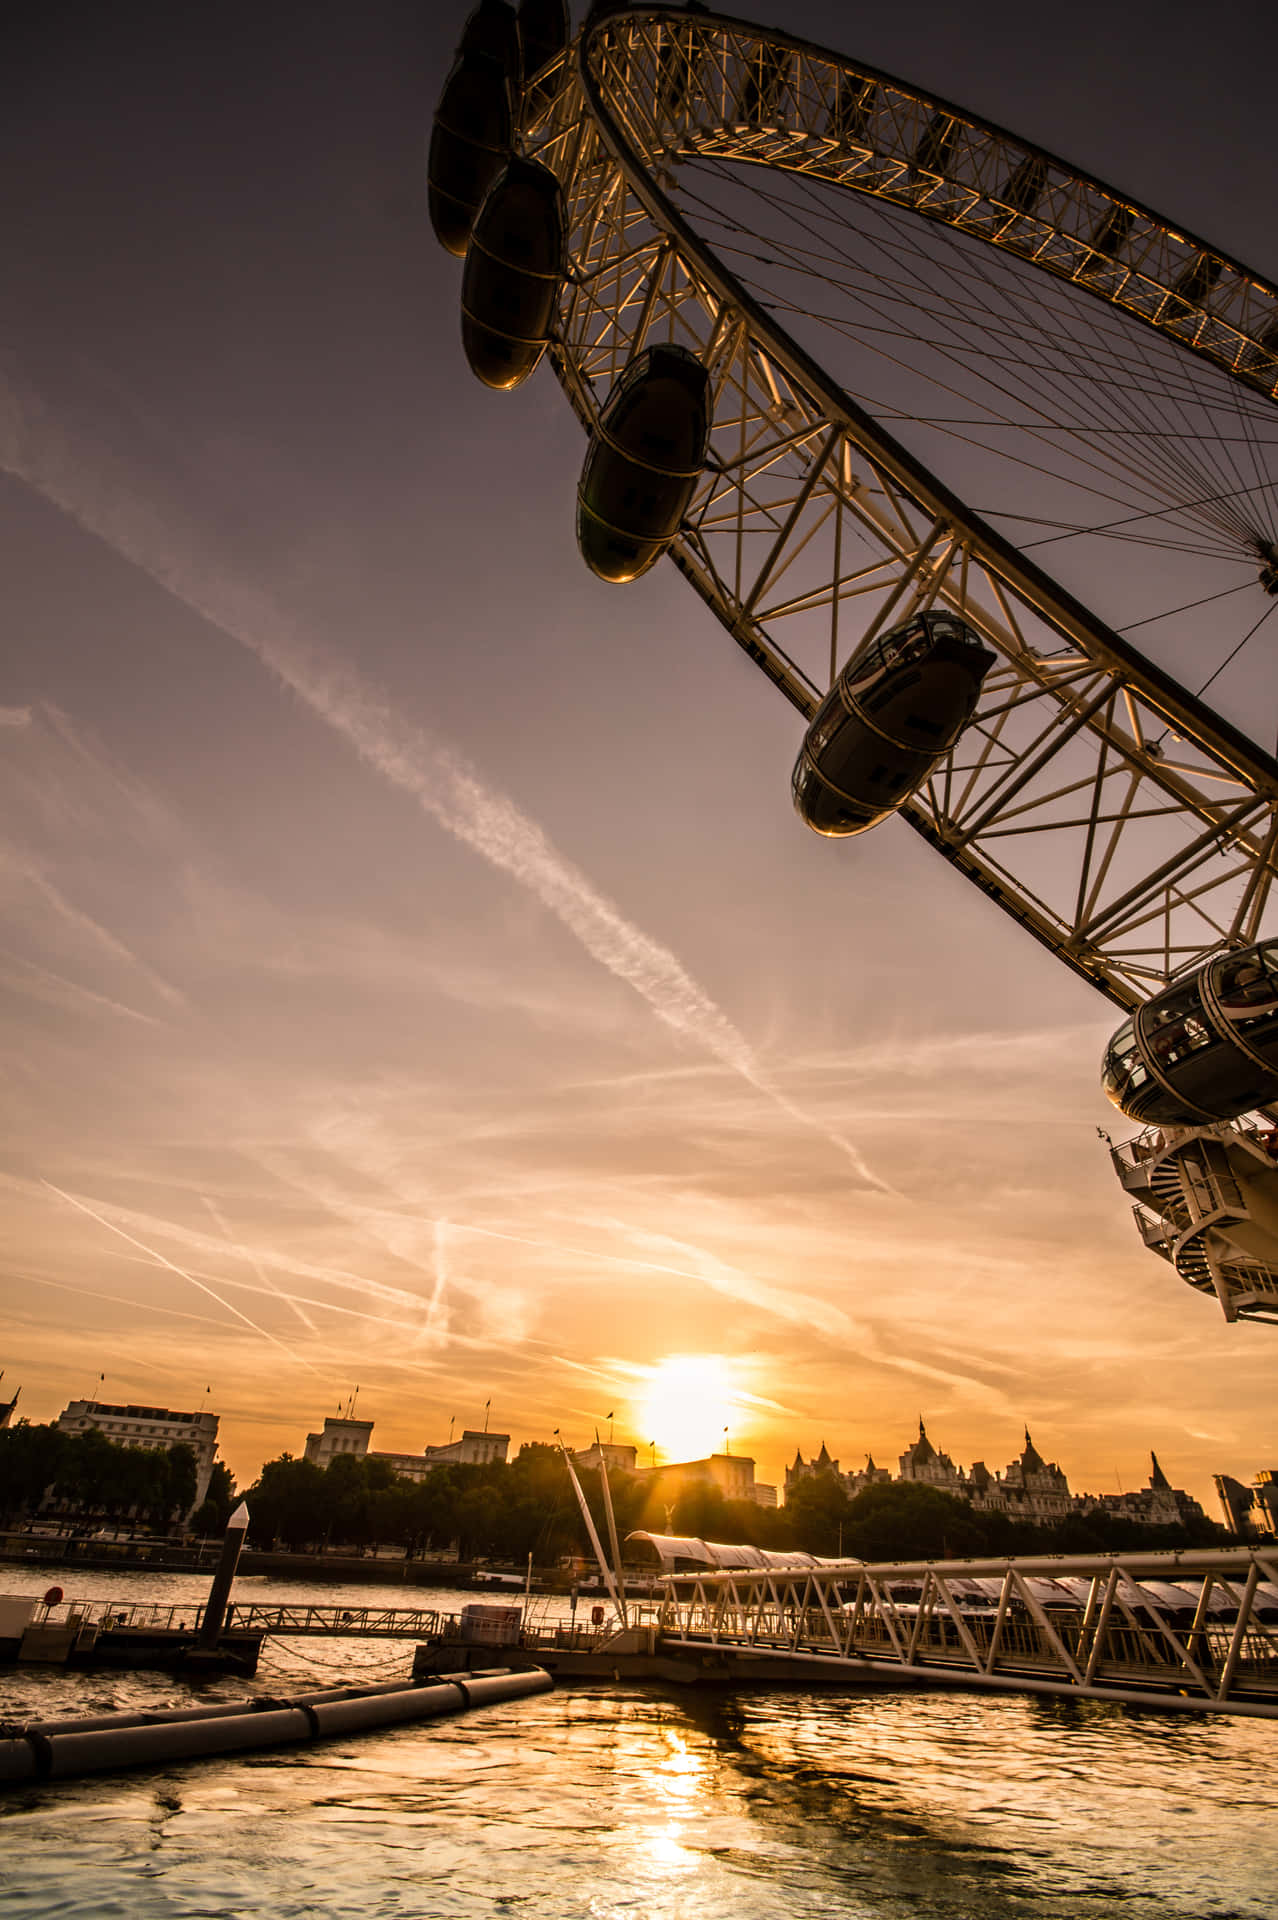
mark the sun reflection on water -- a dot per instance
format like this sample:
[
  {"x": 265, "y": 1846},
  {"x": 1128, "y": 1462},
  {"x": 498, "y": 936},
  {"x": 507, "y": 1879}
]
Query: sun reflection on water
[{"x": 600, "y": 1803}]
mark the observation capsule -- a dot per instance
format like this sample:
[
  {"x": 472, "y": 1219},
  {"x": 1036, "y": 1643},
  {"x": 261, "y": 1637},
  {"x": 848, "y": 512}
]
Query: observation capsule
[
  {"x": 514, "y": 267},
  {"x": 644, "y": 460},
  {"x": 491, "y": 32},
  {"x": 544, "y": 31},
  {"x": 472, "y": 132},
  {"x": 1205, "y": 1048},
  {"x": 897, "y": 708}
]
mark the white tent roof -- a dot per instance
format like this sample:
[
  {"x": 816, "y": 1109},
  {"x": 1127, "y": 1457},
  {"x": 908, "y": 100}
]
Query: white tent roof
[{"x": 717, "y": 1555}]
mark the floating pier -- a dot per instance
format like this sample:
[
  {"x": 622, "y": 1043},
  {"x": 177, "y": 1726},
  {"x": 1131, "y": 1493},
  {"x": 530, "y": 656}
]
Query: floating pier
[{"x": 107, "y": 1633}]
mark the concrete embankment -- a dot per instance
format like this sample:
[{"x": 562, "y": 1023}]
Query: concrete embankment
[{"x": 103, "y": 1743}]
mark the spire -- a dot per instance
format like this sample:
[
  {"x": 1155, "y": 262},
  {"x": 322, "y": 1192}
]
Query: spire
[
  {"x": 1031, "y": 1459},
  {"x": 7, "y": 1406},
  {"x": 798, "y": 1460},
  {"x": 1158, "y": 1478},
  {"x": 823, "y": 1458},
  {"x": 869, "y": 1464}
]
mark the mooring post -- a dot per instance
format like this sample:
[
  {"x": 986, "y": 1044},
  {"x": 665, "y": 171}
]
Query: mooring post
[{"x": 224, "y": 1574}]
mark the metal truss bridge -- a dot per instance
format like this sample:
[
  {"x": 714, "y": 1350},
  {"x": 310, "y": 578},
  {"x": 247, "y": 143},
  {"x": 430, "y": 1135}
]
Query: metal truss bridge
[{"x": 1188, "y": 1630}]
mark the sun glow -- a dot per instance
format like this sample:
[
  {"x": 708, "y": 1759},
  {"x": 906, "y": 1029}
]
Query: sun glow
[{"x": 688, "y": 1404}]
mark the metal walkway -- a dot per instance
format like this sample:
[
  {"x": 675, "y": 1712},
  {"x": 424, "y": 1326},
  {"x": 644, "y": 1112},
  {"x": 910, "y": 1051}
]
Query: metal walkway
[
  {"x": 1195, "y": 1630},
  {"x": 289, "y": 1622}
]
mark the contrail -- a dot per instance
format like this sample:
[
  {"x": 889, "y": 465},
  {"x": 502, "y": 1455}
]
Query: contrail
[
  {"x": 182, "y": 1274},
  {"x": 27, "y": 870},
  {"x": 73, "y": 988},
  {"x": 369, "y": 1290},
  {"x": 246, "y": 1253},
  {"x": 441, "y": 1270},
  {"x": 96, "y": 489},
  {"x": 706, "y": 1268},
  {"x": 209, "y": 1320}
]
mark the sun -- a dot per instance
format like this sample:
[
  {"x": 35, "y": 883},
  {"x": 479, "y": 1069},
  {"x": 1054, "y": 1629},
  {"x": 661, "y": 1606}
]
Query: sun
[{"x": 688, "y": 1402}]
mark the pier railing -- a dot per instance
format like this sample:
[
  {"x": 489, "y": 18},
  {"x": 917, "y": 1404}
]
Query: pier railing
[
  {"x": 1178, "y": 1630},
  {"x": 405, "y": 1623}
]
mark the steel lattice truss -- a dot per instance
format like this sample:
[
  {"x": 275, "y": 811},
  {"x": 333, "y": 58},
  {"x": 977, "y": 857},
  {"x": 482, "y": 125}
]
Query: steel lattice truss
[
  {"x": 1114, "y": 815},
  {"x": 1110, "y": 1638}
]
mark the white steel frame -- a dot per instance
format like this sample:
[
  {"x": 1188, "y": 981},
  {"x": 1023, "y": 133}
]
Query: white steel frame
[
  {"x": 844, "y": 1621},
  {"x": 1114, "y": 815}
]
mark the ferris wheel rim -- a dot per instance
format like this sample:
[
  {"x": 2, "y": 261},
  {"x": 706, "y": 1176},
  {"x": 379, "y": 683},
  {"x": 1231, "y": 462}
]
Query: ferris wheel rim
[
  {"x": 1161, "y": 818},
  {"x": 593, "y": 29},
  {"x": 1097, "y": 639}
]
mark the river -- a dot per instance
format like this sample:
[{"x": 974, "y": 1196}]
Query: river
[{"x": 607, "y": 1803}]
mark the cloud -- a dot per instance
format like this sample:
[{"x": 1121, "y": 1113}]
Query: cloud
[
  {"x": 247, "y": 1254},
  {"x": 95, "y": 489},
  {"x": 26, "y": 869},
  {"x": 162, "y": 1260},
  {"x": 15, "y": 716},
  {"x": 41, "y": 983}
]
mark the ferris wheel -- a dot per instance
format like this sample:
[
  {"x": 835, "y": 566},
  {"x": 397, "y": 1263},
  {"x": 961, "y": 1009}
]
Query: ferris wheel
[{"x": 977, "y": 460}]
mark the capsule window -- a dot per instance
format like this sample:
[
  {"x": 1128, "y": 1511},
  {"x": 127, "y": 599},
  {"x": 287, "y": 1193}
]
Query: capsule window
[
  {"x": 891, "y": 690},
  {"x": 1124, "y": 1070},
  {"x": 1175, "y": 1038},
  {"x": 1246, "y": 987},
  {"x": 829, "y": 727},
  {"x": 1173, "y": 1027}
]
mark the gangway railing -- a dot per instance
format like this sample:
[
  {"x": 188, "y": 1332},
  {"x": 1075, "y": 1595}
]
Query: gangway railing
[
  {"x": 284, "y": 1621},
  {"x": 1188, "y": 1629}
]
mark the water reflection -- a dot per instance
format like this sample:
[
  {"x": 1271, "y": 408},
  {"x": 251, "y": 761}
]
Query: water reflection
[{"x": 601, "y": 1803}]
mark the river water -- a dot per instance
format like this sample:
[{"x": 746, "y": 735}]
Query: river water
[{"x": 611, "y": 1803}]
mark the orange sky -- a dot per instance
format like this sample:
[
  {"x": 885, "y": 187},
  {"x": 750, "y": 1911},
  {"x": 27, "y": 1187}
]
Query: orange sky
[{"x": 412, "y": 972}]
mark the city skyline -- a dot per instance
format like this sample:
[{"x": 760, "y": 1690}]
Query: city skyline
[
  {"x": 412, "y": 969},
  {"x": 886, "y": 1454}
]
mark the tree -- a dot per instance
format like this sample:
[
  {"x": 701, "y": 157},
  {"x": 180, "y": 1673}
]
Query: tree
[
  {"x": 905, "y": 1520},
  {"x": 819, "y": 1507},
  {"x": 31, "y": 1459},
  {"x": 289, "y": 1503},
  {"x": 88, "y": 1473},
  {"x": 210, "y": 1518},
  {"x": 183, "y": 1478}
]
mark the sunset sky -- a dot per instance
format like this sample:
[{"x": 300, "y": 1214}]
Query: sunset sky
[{"x": 412, "y": 972}]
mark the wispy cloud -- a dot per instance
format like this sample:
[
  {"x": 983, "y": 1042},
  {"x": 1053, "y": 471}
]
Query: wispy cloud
[
  {"x": 15, "y": 716},
  {"x": 96, "y": 489},
  {"x": 27, "y": 870},
  {"x": 441, "y": 1272},
  {"x": 41, "y": 983},
  {"x": 247, "y": 1254},
  {"x": 183, "y": 1273},
  {"x": 407, "y": 1310}
]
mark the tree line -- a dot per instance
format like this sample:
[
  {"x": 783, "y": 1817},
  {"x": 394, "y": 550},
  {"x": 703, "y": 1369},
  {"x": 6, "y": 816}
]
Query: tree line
[
  {"x": 88, "y": 1479},
  {"x": 506, "y": 1512}
]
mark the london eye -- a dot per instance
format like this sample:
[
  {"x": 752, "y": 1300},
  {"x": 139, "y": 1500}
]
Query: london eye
[{"x": 976, "y": 458}]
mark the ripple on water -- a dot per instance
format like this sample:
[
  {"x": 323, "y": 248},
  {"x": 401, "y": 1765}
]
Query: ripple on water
[{"x": 598, "y": 1804}]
